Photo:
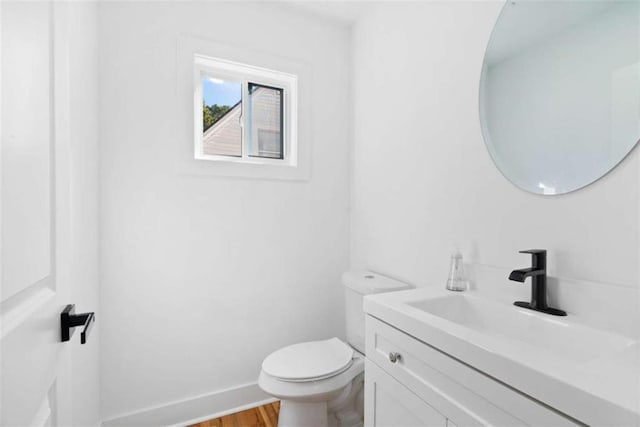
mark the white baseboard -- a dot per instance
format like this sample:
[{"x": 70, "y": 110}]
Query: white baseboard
[{"x": 196, "y": 409}]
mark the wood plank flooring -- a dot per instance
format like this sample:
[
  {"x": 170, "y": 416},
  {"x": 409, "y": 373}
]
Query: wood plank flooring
[{"x": 262, "y": 416}]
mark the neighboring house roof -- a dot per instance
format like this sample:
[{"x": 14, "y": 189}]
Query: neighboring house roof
[{"x": 224, "y": 137}]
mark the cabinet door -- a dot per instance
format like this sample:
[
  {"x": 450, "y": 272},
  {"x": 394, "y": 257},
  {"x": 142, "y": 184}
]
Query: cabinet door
[{"x": 389, "y": 403}]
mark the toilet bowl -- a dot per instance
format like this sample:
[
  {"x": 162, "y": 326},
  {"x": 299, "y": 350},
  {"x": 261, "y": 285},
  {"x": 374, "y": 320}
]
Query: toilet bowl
[{"x": 319, "y": 382}]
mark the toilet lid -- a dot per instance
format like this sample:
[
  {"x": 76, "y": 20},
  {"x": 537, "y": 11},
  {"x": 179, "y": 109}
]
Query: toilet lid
[{"x": 309, "y": 360}]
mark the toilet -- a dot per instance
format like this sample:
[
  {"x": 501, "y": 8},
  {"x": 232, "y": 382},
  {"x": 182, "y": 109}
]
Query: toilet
[{"x": 320, "y": 383}]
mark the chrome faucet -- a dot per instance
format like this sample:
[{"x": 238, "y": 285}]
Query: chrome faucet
[{"x": 538, "y": 274}]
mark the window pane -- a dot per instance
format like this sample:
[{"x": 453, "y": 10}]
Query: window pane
[
  {"x": 221, "y": 115},
  {"x": 264, "y": 133}
]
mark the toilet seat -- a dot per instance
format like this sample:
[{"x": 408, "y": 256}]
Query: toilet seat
[
  {"x": 313, "y": 390},
  {"x": 309, "y": 361}
]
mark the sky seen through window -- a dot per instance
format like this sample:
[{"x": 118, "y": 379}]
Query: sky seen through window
[{"x": 220, "y": 92}]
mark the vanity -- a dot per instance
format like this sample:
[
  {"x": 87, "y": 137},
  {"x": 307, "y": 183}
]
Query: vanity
[{"x": 442, "y": 358}]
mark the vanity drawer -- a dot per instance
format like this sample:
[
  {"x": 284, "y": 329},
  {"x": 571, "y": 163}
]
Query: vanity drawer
[{"x": 465, "y": 395}]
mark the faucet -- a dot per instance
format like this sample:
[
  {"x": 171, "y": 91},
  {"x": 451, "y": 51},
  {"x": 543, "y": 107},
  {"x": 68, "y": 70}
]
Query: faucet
[{"x": 538, "y": 274}]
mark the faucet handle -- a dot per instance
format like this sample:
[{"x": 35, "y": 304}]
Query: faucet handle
[
  {"x": 534, "y": 251},
  {"x": 538, "y": 257}
]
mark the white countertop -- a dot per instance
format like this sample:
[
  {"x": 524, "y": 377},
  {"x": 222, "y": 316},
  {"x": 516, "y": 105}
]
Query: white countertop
[{"x": 602, "y": 390}]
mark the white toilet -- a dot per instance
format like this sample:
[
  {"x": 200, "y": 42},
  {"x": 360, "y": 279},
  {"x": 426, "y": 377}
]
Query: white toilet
[{"x": 320, "y": 383}]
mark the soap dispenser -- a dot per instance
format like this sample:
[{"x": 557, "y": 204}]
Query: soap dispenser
[{"x": 457, "y": 280}]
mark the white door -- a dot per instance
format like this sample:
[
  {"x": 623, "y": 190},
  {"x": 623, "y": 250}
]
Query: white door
[{"x": 34, "y": 370}]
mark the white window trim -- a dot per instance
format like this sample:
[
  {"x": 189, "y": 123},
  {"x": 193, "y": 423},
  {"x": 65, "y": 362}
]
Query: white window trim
[{"x": 221, "y": 68}]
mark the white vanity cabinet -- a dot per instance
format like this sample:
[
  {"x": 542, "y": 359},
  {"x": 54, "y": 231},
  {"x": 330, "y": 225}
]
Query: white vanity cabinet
[{"x": 425, "y": 387}]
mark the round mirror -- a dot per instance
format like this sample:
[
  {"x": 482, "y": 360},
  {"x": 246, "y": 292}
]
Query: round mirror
[{"x": 560, "y": 91}]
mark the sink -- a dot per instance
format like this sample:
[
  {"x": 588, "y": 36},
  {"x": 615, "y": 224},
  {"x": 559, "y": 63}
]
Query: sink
[
  {"x": 573, "y": 342},
  {"x": 564, "y": 362}
]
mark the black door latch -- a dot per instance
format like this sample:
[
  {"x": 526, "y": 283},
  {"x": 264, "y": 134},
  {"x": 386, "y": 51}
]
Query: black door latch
[{"x": 69, "y": 320}]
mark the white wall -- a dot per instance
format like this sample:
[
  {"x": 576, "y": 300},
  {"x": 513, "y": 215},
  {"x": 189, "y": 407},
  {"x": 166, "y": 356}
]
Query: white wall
[
  {"x": 203, "y": 276},
  {"x": 423, "y": 180}
]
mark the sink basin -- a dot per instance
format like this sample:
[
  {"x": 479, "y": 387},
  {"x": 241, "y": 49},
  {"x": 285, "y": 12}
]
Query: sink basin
[{"x": 576, "y": 343}]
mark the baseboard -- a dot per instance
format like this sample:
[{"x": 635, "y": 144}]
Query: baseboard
[{"x": 196, "y": 409}]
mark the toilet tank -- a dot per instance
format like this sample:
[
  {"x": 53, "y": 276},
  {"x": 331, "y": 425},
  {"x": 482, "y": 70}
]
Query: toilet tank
[{"x": 358, "y": 284}]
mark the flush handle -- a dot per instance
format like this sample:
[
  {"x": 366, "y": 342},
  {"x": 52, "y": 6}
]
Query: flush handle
[
  {"x": 394, "y": 357},
  {"x": 70, "y": 320}
]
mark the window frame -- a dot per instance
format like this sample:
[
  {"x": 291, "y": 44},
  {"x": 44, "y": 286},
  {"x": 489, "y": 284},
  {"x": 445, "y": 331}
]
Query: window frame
[{"x": 247, "y": 74}]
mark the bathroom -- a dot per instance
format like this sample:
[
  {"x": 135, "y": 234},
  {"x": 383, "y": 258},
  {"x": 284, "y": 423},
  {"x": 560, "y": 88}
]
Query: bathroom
[{"x": 197, "y": 269}]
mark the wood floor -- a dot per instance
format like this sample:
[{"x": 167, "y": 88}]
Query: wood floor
[{"x": 262, "y": 416}]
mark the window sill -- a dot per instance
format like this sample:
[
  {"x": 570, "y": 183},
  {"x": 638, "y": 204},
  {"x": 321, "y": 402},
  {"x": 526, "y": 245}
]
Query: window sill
[{"x": 243, "y": 169}]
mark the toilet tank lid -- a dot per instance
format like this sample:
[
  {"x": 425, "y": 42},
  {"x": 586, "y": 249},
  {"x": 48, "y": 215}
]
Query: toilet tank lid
[{"x": 365, "y": 282}]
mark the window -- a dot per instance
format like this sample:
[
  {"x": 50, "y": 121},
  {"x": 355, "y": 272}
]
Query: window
[{"x": 244, "y": 113}]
